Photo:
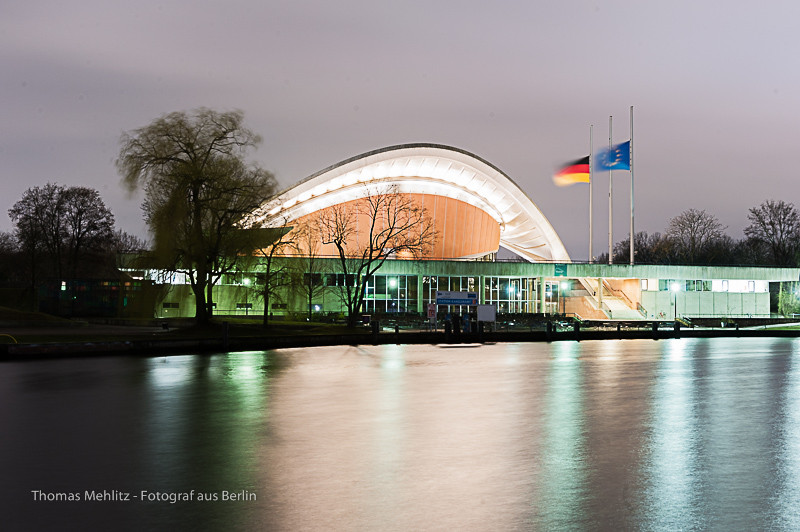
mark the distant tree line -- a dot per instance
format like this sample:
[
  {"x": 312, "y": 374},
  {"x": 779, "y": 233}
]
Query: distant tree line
[
  {"x": 696, "y": 237},
  {"x": 59, "y": 233}
]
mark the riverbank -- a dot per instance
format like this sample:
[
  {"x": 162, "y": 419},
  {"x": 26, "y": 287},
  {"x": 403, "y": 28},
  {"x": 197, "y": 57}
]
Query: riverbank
[{"x": 154, "y": 341}]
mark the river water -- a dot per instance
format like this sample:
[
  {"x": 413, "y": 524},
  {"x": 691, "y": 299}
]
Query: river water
[{"x": 682, "y": 434}]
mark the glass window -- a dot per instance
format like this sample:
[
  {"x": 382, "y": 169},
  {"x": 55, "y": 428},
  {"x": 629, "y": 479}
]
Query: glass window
[
  {"x": 312, "y": 279},
  {"x": 411, "y": 287}
]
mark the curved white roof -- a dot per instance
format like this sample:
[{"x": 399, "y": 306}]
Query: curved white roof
[{"x": 426, "y": 169}]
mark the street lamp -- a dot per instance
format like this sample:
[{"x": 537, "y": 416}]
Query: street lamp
[
  {"x": 512, "y": 304},
  {"x": 562, "y": 296},
  {"x": 246, "y": 281},
  {"x": 675, "y": 288},
  {"x": 393, "y": 296}
]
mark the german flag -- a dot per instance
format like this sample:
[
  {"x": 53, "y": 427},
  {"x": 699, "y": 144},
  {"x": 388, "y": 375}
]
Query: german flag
[{"x": 571, "y": 173}]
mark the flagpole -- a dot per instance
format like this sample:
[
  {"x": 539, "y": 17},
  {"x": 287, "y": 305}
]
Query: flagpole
[
  {"x": 591, "y": 181},
  {"x": 610, "y": 201},
  {"x": 631, "y": 165}
]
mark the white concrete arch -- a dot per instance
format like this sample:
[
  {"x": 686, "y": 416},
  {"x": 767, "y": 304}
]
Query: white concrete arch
[{"x": 426, "y": 169}]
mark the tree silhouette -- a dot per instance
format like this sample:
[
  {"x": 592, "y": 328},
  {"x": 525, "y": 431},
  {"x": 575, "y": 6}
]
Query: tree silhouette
[{"x": 199, "y": 192}]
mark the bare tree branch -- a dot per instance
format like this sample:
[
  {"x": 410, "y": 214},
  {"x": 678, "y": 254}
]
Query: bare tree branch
[{"x": 394, "y": 225}]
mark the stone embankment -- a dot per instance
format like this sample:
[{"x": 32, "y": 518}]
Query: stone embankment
[{"x": 223, "y": 344}]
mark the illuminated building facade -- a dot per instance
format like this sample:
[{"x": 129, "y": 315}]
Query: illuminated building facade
[{"x": 475, "y": 208}]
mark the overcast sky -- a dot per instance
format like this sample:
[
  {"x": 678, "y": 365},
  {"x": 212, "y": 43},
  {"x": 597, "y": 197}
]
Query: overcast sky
[{"x": 714, "y": 86}]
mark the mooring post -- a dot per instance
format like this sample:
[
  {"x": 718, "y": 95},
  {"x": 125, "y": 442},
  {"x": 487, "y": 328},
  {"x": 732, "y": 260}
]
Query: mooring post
[{"x": 374, "y": 327}]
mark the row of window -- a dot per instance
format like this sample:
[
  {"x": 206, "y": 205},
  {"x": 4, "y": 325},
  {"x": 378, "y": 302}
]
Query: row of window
[
  {"x": 716, "y": 285},
  {"x": 399, "y": 293},
  {"x": 391, "y": 293},
  {"x": 309, "y": 279},
  {"x": 240, "y": 306},
  {"x": 82, "y": 286},
  {"x": 495, "y": 288}
]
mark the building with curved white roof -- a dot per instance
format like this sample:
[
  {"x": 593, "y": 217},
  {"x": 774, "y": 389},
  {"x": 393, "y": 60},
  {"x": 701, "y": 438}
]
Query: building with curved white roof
[{"x": 475, "y": 206}]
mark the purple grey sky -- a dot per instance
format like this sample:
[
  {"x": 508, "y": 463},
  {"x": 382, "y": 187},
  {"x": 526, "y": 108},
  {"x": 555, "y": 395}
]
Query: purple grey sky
[{"x": 714, "y": 86}]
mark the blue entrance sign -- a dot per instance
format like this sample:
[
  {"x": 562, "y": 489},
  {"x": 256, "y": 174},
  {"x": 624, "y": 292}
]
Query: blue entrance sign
[{"x": 456, "y": 298}]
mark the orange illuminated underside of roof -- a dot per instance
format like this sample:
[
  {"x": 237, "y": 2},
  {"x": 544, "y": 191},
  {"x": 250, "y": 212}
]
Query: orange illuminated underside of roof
[{"x": 462, "y": 230}]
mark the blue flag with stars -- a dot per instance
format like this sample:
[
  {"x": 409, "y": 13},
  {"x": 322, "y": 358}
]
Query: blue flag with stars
[{"x": 617, "y": 157}]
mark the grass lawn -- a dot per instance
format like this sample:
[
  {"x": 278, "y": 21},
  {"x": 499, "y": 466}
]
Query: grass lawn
[{"x": 38, "y": 328}]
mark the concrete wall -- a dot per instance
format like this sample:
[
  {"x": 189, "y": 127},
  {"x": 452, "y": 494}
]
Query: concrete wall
[{"x": 705, "y": 304}]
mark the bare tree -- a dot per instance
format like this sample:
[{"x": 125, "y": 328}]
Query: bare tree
[
  {"x": 26, "y": 214},
  {"x": 198, "y": 191},
  {"x": 275, "y": 271},
  {"x": 751, "y": 251},
  {"x": 651, "y": 248},
  {"x": 128, "y": 250},
  {"x": 11, "y": 271},
  {"x": 66, "y": 222},
  {"x": 776, "y": 226},
  {"x": 88, "y": 224},
  {"x": 124, "y": 242},
  {"x": 36, "y": 217},
  {"x": 386, "y": 223},
  {"x": 693, "y": 234},
  {"x": 307, "y": 245}
]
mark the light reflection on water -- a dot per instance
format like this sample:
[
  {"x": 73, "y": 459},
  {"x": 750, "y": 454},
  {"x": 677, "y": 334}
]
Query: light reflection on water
[
  {"x": 673, "y": 496},
  {"x": 562, "y": 484},
  {"x": 688, "y": 434},
  {"x": 786, "y": 500}
]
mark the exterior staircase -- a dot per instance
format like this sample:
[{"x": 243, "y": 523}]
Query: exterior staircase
[
  {"x": 615, "y": 304},
  {"x": 618, "y": 309}
]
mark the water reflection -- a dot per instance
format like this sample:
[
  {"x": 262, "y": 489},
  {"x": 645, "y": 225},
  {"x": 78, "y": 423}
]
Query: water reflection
[
  {"x": 786, "y": 502},
  {"x": 162, "y": 425},
  {"x": 561, "y": 486},
  {"x": 685, "y": 434},
  {"x": 618, "y": 380},
  {"x": 672, "y": 500},
  {"x": 738, "y": 388}
]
